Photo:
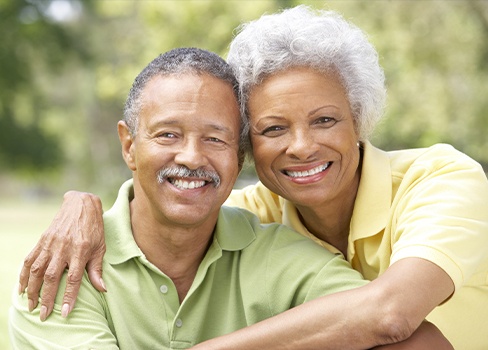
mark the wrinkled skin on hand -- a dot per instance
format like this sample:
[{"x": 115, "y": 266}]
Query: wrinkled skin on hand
[{"x": 73, "y": 241}]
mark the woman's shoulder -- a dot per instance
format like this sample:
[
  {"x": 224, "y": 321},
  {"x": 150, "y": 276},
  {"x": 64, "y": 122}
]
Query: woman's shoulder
[{"x": 437, "y": 156}]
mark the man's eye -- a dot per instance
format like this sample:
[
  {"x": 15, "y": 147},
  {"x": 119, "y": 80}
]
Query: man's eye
[
  {"x": 214, "y": 139},
  {"x": 167, "y": 135}
]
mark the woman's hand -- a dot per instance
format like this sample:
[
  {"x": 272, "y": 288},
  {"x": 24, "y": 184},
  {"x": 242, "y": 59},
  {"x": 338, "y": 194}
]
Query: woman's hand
[{"x": 74, "y": 239}]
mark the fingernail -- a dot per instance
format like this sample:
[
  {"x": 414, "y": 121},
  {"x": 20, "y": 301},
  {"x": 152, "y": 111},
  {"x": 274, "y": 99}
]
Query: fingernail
[
  {"x": 20, "y": 289},
  {"x": 43, "y": 314},
  {"x": 103, "y": 284},
  {"x": 31, "y": 305},
  {"x": 65, "y": 310}
]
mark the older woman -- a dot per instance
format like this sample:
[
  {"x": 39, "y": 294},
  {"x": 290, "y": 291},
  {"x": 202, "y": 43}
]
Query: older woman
[{"x": 415, "y": 222}]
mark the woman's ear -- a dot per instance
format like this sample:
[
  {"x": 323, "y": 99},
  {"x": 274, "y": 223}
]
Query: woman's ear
[{"x": 127, "y": 143}]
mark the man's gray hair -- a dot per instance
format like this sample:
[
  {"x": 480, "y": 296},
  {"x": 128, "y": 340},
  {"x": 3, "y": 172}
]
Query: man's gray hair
[
  {"x": 179, "y": 61},
  {"x": 322, "y": 40}
]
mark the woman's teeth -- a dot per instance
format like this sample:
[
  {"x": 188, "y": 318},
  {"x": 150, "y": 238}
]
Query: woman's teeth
[{"x": 307, "y": 172}]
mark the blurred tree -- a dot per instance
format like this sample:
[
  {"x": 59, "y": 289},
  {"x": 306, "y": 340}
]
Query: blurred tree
[
  {"x": 67, "y": 66},
  {"x": 433, "y": 59},
  {"x": 30, "y": 40}
]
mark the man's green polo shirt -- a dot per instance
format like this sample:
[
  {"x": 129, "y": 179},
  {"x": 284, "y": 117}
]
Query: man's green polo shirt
[{"x": 250, "y": 272}]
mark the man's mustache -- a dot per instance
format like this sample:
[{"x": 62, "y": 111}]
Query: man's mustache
[{"x": 184, "y": 172}]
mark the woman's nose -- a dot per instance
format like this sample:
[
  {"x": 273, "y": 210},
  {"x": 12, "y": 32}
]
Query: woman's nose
[{"x": 302, "y": 145}]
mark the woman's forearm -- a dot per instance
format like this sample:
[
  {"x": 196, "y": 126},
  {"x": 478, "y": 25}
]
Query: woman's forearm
[
  {"x": 426, "y": 337},
  {"x": 306, "y": 327},
  {"x": 387, "y": 310}
]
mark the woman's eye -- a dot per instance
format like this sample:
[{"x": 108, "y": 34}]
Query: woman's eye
[
  {"x": 327, "y": 121},
  {"x": 272, "y": 130},
  {"x": 214, "y": 139}
]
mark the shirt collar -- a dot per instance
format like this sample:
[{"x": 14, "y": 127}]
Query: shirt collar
[
  {"x": 233, "y": 229},
  {"x": 121, "y": 245},
  {"x": 373, "y": 200}
]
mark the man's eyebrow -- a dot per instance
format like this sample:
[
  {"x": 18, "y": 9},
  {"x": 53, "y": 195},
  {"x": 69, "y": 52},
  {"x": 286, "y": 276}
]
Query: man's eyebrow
[
  {"x": 166, "y": 122},
  {"x": 176, "y": 121},
  {"x": 219, "y": 127}
]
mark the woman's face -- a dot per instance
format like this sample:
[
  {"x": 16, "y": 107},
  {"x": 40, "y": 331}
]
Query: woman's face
[{"x": 303, "y": 136}]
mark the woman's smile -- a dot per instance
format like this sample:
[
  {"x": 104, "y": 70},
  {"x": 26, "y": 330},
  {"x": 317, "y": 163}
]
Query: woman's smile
[{"x": 305, "y": 175}]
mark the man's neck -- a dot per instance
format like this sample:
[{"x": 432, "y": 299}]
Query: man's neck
[{"x": 175, "y": 250}]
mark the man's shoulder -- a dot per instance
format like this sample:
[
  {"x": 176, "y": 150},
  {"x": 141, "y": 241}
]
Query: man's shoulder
[{"x": 268, "y": 237}]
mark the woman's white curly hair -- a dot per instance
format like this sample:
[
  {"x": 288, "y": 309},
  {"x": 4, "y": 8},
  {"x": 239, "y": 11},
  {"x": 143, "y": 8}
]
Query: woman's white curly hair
[{"x": 322, "y": 40}]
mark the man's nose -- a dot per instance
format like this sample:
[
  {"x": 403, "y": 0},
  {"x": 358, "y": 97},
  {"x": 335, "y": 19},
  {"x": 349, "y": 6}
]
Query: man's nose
[{"x": 191, "y": 154}]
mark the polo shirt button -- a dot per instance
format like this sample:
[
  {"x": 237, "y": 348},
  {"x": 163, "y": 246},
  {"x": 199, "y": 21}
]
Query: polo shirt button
[
  {"x": 179, "y": 323},
  {"x": 163, "y": 289}
]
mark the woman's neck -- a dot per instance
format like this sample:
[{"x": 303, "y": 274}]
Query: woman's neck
[
  {"x": 331, "y": 220},
  {"x": 331, "y": 226}
]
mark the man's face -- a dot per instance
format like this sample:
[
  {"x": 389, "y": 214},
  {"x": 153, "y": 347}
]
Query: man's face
[{"x": 187, "y": 123}]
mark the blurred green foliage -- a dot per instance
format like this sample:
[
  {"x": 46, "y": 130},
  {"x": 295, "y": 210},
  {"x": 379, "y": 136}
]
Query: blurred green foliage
[
  {"x": 29, "y": 41},
  {"x": 67, "y": 67}
]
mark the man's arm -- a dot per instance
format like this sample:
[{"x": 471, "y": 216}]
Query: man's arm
[
  {"x": 74, "y": 239},
  {"x": 387, "y": 310}
]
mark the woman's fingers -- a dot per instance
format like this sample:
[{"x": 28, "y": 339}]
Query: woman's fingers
[{"x": 74, "y": 239}]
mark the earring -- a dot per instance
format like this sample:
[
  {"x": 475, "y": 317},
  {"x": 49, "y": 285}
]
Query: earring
[{"x": 357, "y": 144}]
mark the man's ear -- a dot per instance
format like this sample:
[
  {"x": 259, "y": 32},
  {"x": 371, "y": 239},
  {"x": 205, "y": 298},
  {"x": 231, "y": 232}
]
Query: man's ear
[{"x": 127, "y": 143}]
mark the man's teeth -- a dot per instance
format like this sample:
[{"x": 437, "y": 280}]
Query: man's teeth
[
  {"x": 307, "y": 172},
  {"x": 185, "y": 185}
]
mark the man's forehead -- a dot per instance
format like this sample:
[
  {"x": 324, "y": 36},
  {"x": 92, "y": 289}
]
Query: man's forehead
[
  {"x": 202, "y": 99},
  {"x": 194, "y": 76},
  {"x": 199, "y": 84}
]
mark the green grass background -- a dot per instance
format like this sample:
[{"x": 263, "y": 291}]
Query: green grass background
[{"x": 21, "y": 224}]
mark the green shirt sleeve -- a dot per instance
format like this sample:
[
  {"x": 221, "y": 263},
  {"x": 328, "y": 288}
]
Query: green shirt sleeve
[{"x": 85, "y": 328}]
